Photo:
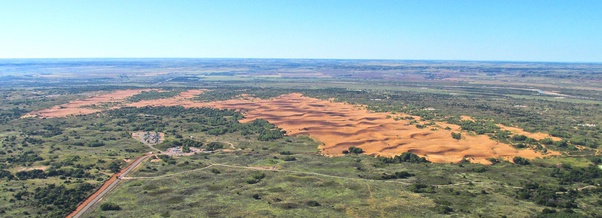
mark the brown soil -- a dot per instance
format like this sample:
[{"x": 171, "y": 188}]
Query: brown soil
[{"x": 339, "y": 126}]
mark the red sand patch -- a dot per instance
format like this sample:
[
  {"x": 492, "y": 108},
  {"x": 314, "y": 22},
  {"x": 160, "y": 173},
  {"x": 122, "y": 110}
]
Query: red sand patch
[
  {"x": 79, "y": 107},
  {"x": 339, "y": 126},
  {"x": 537, "y": 135}
]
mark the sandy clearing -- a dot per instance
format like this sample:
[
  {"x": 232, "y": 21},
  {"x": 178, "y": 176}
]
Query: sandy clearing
[
  {"x": 79, "y": 107},
  {"x": 463, "y": 117},
  {"x": 339, "y": 126},
  {"x": 43, "y": 168},
  {"x": 537, "y": 135}
]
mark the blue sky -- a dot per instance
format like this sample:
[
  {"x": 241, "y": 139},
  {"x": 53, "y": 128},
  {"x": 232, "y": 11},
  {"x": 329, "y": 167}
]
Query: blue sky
[{"x": 525, "y": 30}]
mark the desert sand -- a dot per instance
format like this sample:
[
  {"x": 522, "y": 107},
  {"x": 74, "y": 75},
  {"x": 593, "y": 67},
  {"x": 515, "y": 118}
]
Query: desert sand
[
  {"x": 82, "y": 107},
  {"x": 339, "y": 126}
]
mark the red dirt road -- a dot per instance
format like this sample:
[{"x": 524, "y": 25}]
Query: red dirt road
[{"x": 105, "y": 188}]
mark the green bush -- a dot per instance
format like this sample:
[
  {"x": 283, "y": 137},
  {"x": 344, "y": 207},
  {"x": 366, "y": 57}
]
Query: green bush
[
  {"x": 353, "y": 150},
  {"x": 109, "y": 206},
  {"x": 457, "y": 136},
  {"x": 521, "y": 161}
]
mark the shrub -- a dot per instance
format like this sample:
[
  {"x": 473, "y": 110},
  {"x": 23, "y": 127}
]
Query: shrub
[
  {"x": 288, "y": 158},
  {"x": 109, "y": 206},
  {"x": 355, "y": 150},
  {"x": 313, "y": 203},
  {"x": 397, "y": 175},
  {"x": 520, "y": 161},
  {"x": 214, "y": 146},
  {"x": 457, "y": 136},
  {"x": 443, "y": 209},
  {"x": 255, "y": 178},
  {"x": 421, "y": 188}
]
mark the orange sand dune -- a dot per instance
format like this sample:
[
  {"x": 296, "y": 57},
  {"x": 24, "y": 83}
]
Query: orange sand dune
[
  {"x": 77, "y": 107},
  {"x": 339, "y": 126}
]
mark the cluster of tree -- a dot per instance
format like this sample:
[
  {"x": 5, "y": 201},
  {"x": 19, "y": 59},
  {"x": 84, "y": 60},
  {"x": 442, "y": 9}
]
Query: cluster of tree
[
  {"x": 520, "y": 161},
  {"x": 77, "y": 172},
  {"x": 548, "y": 196},
  {"x": 152, "y": 95},
  {"x": 271, "y": 134},
  {"x": 58, "y": 201},
  {"x": 31, "y": 174},
  {"x": 477, "y": 126},
  {"x": 457, "y": 136},
  {"x": 31, "y": 141},
  {"x": 212, "y": 146},
  {"x": 266, "y": 130},
  {"x": 25, "y": 158},
  {"x": 568, "y": 175},
  {"x": 109, "y": 206},
  {"x": 403, "y": 158},
  {"x": 255, "y": 178},
  {"x": 6, "y": 174},
  {"x": 422, "y": 188},
  {"x": 114, "y": 167},
  {"x": 94, "y": 143},
  {"x": 167, "y": 159},
  {"x": 11, "y": 114},
  {"x": 397, "y": 175},
  {"x": 353, "y": 150}
]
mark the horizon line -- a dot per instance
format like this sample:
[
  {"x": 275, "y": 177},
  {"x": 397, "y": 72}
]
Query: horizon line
[{"x": 337, "y": 59}]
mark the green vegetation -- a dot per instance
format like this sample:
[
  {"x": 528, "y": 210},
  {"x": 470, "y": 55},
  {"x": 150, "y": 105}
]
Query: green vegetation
[
  {"x": 353, "y": 150},
  {"x": 153, "y": 95},
  {"x": 48, "y": 166},
  {"x": 403, "y": 158},
  {"x": 109, "y": 206}
]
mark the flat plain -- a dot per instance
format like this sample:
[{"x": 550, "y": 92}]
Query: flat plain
[{"x": 298, "y": 138}]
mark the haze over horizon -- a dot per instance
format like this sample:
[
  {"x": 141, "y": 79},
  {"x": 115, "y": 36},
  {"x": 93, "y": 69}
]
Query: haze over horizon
[{"x": 546, "y": 31}]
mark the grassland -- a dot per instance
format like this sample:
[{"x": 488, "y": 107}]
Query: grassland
[{"x": 50, "y": 164}]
